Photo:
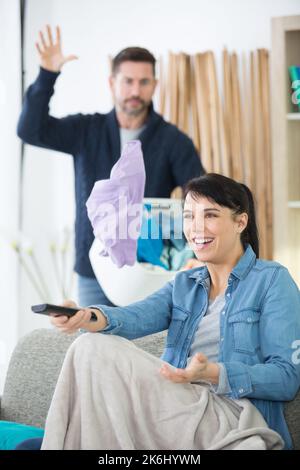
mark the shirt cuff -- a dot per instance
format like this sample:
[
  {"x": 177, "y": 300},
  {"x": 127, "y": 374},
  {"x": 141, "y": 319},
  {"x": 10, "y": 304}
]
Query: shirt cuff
[
  {"x": 46, "y": 77},
  {"x": 223, "y": 387},
  {"x": 113, "y": 325}
]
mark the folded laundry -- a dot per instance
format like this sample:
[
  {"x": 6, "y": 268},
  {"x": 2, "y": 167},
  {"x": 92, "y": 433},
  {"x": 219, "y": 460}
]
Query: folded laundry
[
  {"x": 162, "y": 241},
  {"x": 115, "y": 206},
  {"x": 150, "y": 243},
  {"x": 175, "y": 258}
]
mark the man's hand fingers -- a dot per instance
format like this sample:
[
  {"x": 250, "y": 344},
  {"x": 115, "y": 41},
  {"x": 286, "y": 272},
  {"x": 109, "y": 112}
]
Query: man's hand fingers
[
  {"x": 49, "y": 35},
  {"x": 42, "y": 39},
  {"x": 58, "y": 35},
  {"x": 38, "y": 48},
  {"x": 70, "y": 57}
]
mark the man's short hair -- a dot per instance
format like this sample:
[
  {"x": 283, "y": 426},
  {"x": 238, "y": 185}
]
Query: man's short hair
[{"x": 133, "y": 54}]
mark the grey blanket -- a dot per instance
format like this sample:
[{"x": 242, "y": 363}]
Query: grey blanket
[{"x": 110, "y": 395}]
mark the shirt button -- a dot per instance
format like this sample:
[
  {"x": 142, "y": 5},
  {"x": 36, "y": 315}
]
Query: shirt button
[
  {"x": 223, "y": 313},
  {"x": 249, "y": 319},
  {"x": 241, "y": 390},
  {"x": 228, "y": 295},
  {"x": 222, "y": 339}
]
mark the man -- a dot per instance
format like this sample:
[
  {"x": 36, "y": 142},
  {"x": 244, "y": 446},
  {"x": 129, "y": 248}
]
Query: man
[{"x": 95, "y": 141}]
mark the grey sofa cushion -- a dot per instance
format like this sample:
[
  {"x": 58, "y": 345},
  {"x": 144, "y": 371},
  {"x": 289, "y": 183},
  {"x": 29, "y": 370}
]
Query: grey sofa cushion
[
  {"x": 34, "y": 368},
  {"x": 32, "y": 374},
  {"x": 153, "y": 344}
]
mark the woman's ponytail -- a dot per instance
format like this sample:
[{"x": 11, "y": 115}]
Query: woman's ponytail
[{"x": 250, "y": 234}]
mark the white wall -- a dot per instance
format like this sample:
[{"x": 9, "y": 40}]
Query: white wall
[
  {"x": 93, "y": 29},
  {"x": 10, "y": 103},
  {"x": 48, "y": 196}
]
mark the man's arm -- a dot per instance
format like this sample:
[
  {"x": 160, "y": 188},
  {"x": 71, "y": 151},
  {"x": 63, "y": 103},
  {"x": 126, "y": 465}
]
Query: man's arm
[{"x": 35, "y": 125}]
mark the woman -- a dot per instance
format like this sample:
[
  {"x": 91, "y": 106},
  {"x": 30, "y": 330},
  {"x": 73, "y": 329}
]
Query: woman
[{"x": 229, "y": 360}]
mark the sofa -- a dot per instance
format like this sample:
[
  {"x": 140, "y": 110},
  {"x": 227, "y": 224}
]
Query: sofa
[{"x": 35, "y": 365}]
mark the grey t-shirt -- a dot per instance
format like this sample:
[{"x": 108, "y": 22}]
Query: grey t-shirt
[
  {"x": 129, "y": 134},
  {"x": 207, "y": 340},
  {"x": 207, "y": 336}
]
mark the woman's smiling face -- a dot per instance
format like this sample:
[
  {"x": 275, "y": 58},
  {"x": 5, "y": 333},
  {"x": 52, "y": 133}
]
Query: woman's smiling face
[{"x": 213, "y": 231}]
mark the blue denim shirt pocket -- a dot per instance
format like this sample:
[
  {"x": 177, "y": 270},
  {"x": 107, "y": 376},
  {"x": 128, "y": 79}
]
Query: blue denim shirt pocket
[
  {"x": 178, "y": 319},
  {"x": 244, "y": 326}
]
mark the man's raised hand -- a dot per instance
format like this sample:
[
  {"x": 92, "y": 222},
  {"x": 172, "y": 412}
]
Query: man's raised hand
[{"x": 51, "y": 56}]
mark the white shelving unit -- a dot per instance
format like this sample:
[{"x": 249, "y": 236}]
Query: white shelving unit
[
  {"x": 293, "y": 116},
  {"x": 294, "y": 204},
  {"x": 285, "y": 144}
]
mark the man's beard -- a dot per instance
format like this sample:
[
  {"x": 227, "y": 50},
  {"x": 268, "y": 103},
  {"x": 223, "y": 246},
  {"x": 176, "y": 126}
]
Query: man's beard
[{"x": 134, "y": 111}]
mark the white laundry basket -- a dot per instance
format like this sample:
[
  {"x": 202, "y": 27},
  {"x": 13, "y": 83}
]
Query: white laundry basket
[{"x": 128, "y": 284}]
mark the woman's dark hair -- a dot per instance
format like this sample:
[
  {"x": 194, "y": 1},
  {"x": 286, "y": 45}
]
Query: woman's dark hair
[
  {"x": 228, "y": 193},
  {"x": 133, "y": 54}
]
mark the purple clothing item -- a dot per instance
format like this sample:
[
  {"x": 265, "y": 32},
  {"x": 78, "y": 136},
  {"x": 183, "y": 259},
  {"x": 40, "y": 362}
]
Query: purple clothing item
[{"x": 115, "y": 206}]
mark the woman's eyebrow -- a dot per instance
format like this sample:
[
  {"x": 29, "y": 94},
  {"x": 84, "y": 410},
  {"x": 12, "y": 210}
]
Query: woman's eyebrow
[
  {"x": 211, "y": 209},
  {"x": 189, "y": 211}
]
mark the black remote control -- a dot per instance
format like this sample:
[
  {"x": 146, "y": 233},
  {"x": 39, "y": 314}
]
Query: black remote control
[{"x": 47, "y": 309}]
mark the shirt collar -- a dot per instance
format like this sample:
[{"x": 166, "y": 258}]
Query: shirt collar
[{"x": 240, "y": 271}]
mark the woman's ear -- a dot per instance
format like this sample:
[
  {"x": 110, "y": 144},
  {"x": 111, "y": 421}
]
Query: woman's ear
[{"x": 242, "y": 222}]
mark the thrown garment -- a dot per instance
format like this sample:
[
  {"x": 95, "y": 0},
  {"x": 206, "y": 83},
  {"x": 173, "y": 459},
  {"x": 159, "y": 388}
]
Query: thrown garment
[
  {"x": 110, "y": 395},
  {"x": 115, "y": 206}
]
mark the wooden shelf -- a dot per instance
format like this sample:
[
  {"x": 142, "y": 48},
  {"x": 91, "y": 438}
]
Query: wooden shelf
[{"x": 293, "y": 116}]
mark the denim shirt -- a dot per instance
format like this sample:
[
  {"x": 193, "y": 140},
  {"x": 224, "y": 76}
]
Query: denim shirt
[{"x": 259, "y": 330}]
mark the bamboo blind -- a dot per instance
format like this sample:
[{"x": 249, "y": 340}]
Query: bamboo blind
[{"x": 229, "y": 122}]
